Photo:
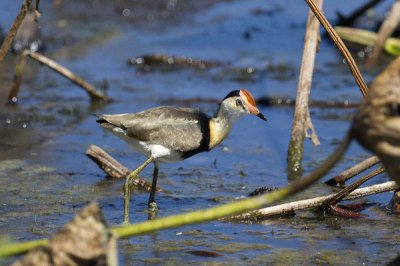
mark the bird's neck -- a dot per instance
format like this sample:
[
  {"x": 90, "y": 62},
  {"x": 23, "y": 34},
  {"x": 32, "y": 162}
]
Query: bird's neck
[{"x": 220, "y": 126}]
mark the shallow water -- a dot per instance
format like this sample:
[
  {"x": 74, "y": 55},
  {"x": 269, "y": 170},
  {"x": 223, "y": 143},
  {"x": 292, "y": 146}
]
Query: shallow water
[{"x": 45, "y": 176}]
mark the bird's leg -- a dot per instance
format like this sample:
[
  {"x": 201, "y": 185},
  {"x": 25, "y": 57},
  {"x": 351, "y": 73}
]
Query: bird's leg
[
  {"x": 152, "y": 205},
  {"x": 127, "y": 191}
]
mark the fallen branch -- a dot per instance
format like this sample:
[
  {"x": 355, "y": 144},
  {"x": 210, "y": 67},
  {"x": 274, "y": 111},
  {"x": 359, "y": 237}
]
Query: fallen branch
[
  {"x": 388, "y": 27},
  {"x": 346, "y": 191},
  {"x": 290, "y": 207},
  {"x": 107, "y": 163},
  {"x": 93, "y": 93},
  {"x": 302, "y": 120},
  {"x": 12, "y": 97},
  {"x": 341, "y": 178},
  {"x": 12, "y": 32},
  {"x": 341, "y": 46},
  {"x": 113, "y": 168}
]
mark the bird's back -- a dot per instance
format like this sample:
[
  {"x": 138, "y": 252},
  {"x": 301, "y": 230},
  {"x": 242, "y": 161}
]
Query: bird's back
[{"x": 185, "y": 130}]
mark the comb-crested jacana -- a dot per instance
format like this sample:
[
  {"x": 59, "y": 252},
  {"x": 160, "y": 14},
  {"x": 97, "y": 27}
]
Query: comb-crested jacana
[{"x": 170, "y": 134}]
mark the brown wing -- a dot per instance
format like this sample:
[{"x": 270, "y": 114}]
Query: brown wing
[{"x": 181, "y": 129}]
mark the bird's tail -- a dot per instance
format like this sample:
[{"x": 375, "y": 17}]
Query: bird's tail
[{"x": 103, "y": 122}]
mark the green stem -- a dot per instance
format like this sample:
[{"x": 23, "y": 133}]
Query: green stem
[
  {"x": 19, "y": 248},
  {"x": 236, "y": 207},
  {"x": 200, "y": 216},
  {"x": 205, "y": 215}
]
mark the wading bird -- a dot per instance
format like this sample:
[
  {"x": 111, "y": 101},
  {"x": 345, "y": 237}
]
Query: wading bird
[{"x": 170, "y": 134}]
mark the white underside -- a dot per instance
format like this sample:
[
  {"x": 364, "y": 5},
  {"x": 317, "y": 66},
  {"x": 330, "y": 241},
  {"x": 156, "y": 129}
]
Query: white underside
[{"x": 160, "y": 153}]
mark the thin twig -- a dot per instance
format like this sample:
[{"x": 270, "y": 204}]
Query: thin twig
[
  {"x": 341, "y": 178},
  {"x": 302, "y": 120},
  {"x": 113, "y": 168},
  {"x": 91, "y": 90},
  {"x": 388, "y": 27},
  {"x": 12, "y": 97},
  {"x": 12, "y": 32},
  {"x": 341, "y": 46},
  {"x": 346, "y": 191}
]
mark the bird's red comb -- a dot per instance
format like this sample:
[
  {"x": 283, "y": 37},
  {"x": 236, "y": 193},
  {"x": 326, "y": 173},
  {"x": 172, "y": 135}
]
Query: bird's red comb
[{"x": 246, "y": 95}]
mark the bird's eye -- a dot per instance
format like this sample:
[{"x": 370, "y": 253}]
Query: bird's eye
[{"x": 239, "y": 102}]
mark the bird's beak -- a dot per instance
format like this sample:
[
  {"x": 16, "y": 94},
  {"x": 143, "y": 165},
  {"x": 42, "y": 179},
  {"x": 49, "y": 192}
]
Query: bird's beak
[
  {"x": 260, "y": 115},
  {"x": 251, "y": 104},
  {"x": 254, "y": 110}
]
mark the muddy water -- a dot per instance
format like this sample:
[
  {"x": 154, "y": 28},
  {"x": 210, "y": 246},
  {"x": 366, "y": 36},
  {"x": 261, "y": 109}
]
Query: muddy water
[{"x": 45, "y": 176}]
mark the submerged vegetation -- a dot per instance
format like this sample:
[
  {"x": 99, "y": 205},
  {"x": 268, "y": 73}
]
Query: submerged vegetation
[{"x": 191, "y": 53}]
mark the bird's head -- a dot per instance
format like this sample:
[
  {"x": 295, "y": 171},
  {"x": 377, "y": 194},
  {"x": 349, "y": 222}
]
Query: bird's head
[{"x": 240, "y": 102}]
